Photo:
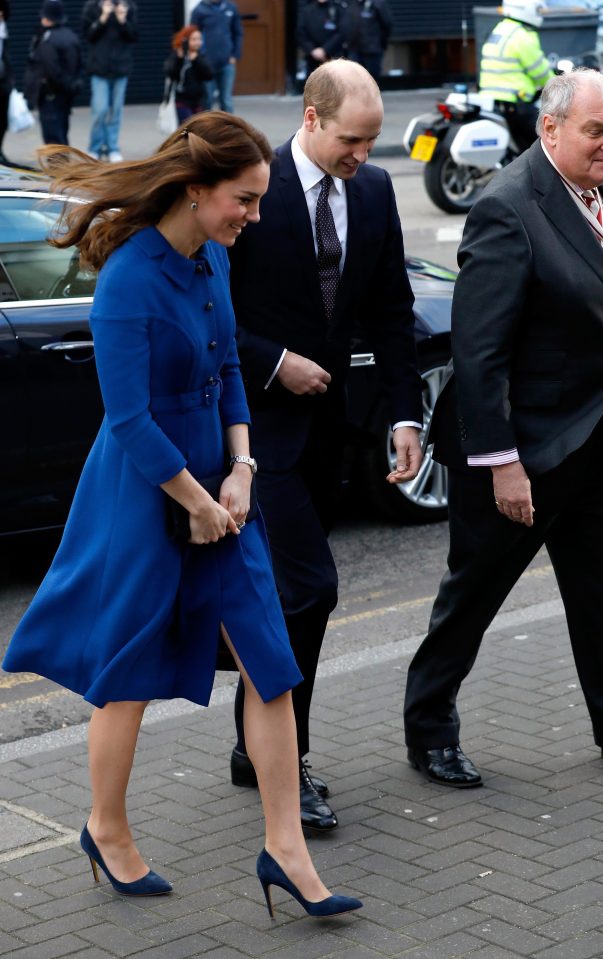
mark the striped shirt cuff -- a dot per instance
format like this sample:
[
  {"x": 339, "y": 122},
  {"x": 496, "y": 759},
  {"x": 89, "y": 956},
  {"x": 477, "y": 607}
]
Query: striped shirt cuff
[{"x": 493, "y": 459}]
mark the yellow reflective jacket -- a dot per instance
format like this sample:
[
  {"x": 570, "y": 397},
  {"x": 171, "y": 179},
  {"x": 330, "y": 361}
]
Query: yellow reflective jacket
[{"x": 513, "y": 66}]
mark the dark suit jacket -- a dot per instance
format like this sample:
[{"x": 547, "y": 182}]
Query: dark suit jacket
[
  {"x": 527, "y": 324},
  {"x": 277, "y": 299}
]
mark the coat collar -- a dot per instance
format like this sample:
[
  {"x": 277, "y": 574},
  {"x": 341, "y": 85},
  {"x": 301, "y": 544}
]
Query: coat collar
[
  {"x": 558, "y": 206},
  {"x": 177, "y": 267}
]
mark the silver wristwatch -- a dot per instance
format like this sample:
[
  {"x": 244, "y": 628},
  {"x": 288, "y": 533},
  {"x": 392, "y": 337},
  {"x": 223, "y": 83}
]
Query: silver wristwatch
[{"x": 251, "y": 463}]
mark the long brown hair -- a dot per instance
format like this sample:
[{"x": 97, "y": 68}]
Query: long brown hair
[{"x": 122, "y": 198}]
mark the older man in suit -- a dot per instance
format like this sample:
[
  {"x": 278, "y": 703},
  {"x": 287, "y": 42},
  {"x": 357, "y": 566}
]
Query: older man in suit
[
  {"x": 326, "y": 255},
  {"x": 520, "y": 423}
]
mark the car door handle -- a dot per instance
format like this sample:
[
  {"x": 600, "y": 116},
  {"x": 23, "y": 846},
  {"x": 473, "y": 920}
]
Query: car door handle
[
  {"x": 70, "y": 350},
  {"x": 68, "y": 346}
]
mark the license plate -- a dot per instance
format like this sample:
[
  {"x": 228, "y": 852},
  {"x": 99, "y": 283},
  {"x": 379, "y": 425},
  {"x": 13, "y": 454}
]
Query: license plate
[{"x": 423, "y": 148}]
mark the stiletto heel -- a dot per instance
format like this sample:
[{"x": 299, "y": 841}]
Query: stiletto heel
[
  {"x": 266, "y": 888},
  {"x": 271, "y": 874},
  {"x": 94, "y": 869},
  {"x": 150, "y": 885}
]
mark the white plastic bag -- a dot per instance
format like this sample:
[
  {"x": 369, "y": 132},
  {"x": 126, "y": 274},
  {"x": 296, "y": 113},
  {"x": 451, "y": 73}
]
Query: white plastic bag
[
  {"x": 167, "y": 118},
  {"x": 19, "y": 115}
]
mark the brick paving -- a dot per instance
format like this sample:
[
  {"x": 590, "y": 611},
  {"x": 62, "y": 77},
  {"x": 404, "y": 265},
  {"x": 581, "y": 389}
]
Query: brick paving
[{"x": 514, "y": 869}]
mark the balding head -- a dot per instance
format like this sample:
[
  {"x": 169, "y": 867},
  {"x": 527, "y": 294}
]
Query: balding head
[
  {"x": 333, "y": 82},
  {"x": 570, "y": 125}
]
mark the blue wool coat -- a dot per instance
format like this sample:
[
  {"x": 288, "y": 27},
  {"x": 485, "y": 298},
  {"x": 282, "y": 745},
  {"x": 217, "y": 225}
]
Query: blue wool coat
[{"x": 123, "y": 612}]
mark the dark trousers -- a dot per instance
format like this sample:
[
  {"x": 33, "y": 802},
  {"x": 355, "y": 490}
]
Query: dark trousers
[
  {"x": 54, "y": 113},
  {"x": 298, "y": 505},
  {"x": 488, "y": 553},
  {"x": 521, "y": 118}
]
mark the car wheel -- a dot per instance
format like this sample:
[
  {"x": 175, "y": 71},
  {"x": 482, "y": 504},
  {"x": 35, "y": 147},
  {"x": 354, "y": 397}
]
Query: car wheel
[{"x": 424, "y": 499}]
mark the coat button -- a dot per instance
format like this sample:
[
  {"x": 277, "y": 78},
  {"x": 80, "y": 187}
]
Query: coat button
[
  {"x": 209, "y": 305},
  {"x": 212, "y": 344},
  {"x": 198, "y": 268}
]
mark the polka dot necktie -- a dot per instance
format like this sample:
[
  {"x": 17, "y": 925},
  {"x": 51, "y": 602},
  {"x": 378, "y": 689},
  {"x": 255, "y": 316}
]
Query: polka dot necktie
[
  {"x": 592, "y": 201},
  {"x": 329, "y": 247}
]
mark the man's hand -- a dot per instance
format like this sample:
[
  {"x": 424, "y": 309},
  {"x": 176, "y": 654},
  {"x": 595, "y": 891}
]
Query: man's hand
[
  {"x": 300, "y": 375},
  {"x": 106, "y": 10},
  {"x": 513, "y": 493},
  {"x": 408, "y": 455},
  {"x": 319, "y": 54}
]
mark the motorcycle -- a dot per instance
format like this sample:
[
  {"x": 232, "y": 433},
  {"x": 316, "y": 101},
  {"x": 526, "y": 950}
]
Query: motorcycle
[{"x": 463, "y": 145}]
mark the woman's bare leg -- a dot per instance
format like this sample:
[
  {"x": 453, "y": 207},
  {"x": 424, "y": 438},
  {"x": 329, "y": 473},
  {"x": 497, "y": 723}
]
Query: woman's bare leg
[
  {"x": 111, "y": 742},
  {"x": 271, "y": 742}
]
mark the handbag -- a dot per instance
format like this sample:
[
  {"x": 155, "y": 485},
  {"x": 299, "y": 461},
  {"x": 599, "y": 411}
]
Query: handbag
[
  {"x": 20, "y": 116},
  {"x": 177, "y": 517},
  {"x": 167, "y": 118}
]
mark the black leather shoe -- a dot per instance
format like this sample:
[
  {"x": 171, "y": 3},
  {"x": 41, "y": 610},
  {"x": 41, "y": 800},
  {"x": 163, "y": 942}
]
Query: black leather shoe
[
  {"x": 448, "y": 766},
  {"x": 316, "y": 814},
  {"x": 242, "y": 773}
]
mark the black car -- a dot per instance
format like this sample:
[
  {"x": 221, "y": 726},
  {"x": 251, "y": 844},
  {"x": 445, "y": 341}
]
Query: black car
[{"x": 50, "y": 400}]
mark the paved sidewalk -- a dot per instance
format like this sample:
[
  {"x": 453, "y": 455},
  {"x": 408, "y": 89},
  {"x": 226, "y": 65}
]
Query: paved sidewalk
[{"x": 514, "y": 869}]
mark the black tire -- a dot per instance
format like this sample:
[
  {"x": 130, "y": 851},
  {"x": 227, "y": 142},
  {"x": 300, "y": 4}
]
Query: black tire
[
  {"x": 451, "y": 187},
  {"x": 424, "y": 499}
]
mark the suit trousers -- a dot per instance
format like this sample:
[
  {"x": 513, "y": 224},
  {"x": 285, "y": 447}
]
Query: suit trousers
[
  {"x": 298, "y": 506},
  {"x": 488, "y": 553}
]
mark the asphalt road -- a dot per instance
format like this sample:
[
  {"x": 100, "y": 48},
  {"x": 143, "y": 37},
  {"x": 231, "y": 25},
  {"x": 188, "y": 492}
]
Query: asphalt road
[{"x": 388, "y": 573}]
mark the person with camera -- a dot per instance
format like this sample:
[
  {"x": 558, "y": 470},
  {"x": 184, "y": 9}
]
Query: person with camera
[
  {"x": 189, "y": 70},
  {"x": 52, "y": 75},
  {"x": 110, "y": 29}
]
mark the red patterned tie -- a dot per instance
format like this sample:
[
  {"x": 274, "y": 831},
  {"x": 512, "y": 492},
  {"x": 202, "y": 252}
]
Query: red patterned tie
[
  {"x": 329, "y": 247},
  {"x": 591, "y": 199}
]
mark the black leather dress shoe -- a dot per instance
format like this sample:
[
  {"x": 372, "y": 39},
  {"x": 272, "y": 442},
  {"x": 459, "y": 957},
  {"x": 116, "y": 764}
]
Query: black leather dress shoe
[
  {"x": 448, "y": 766},
  {"x": 316, "y": 814},
  {"x": 242, "y": 773}
]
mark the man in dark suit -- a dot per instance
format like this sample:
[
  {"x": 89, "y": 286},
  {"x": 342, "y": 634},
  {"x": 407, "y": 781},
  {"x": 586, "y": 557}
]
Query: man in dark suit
[
  {"x": 326, "y": 255},
  {"x": 520, "y": 423}
]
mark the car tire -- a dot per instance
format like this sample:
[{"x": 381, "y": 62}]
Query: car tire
[{"x": 424, "y": 499}]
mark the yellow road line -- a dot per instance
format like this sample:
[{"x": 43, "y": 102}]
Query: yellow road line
[{"x": 18, "y": 679}]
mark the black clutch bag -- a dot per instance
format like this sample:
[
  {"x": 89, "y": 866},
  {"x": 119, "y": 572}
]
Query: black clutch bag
[{"x": 177, "y": 517}]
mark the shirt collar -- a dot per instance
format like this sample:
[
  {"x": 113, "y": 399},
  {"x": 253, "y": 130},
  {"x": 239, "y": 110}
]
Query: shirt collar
[
  {"x": 309, "y": 174},
  {"x": 178, "y": 267}
]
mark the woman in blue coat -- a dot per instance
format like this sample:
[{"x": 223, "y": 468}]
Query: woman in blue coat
[{"x": 126, "y": 614}]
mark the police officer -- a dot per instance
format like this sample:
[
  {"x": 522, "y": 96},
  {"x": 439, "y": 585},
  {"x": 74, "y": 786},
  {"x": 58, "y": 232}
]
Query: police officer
[
  {"x": 320, "y": 31},
  {"x": 369, "y": 24},
  {"x": 514, "y": 69},
  {"x": 52, "y": 75}
]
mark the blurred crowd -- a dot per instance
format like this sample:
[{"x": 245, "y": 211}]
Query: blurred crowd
[{"x": 200, "y": 69}]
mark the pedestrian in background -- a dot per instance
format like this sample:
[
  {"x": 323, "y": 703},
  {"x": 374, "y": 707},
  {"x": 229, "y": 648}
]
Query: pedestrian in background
[
  {"x": 189, "y": 70},
  {"x": 53, "y": 72},
  {"x": 220, "y": 24},
  {"x": 125, "y": 614},
  {"x": 320, "y": 31},
  {"x": 369, "y": 25},
  {"x": 520, "y": 423},
  {"x": 6, "y": 77},
  {"x": 110, "y": 30}
]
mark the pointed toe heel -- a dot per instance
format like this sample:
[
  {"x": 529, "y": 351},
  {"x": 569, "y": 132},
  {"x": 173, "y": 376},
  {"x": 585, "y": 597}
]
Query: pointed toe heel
[
  {"x": 271, "y": 874},
  {"x": 150, "y": 885}
]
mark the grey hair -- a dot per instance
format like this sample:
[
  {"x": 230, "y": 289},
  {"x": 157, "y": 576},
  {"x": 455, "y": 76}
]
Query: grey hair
[{"x": 558, "y": 94}]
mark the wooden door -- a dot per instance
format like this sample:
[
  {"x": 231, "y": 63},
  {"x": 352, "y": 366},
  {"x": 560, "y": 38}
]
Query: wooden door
[{"x": 262, "y": 66}]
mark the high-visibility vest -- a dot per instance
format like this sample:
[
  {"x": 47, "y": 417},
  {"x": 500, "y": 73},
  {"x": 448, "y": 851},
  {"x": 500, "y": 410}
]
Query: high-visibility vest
[{"x": 513, "y": 66}]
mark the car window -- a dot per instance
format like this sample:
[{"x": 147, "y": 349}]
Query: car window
[{"x": 31, "y": 269}]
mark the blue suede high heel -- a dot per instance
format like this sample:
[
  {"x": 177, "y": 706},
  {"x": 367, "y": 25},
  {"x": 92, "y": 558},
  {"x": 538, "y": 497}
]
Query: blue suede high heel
[
  {"x": 149, "y": 885},
  {"x": 270, "y": 874}
]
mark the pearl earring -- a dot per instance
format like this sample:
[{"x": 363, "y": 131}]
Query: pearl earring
[{"x": 193, "y": 205}]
